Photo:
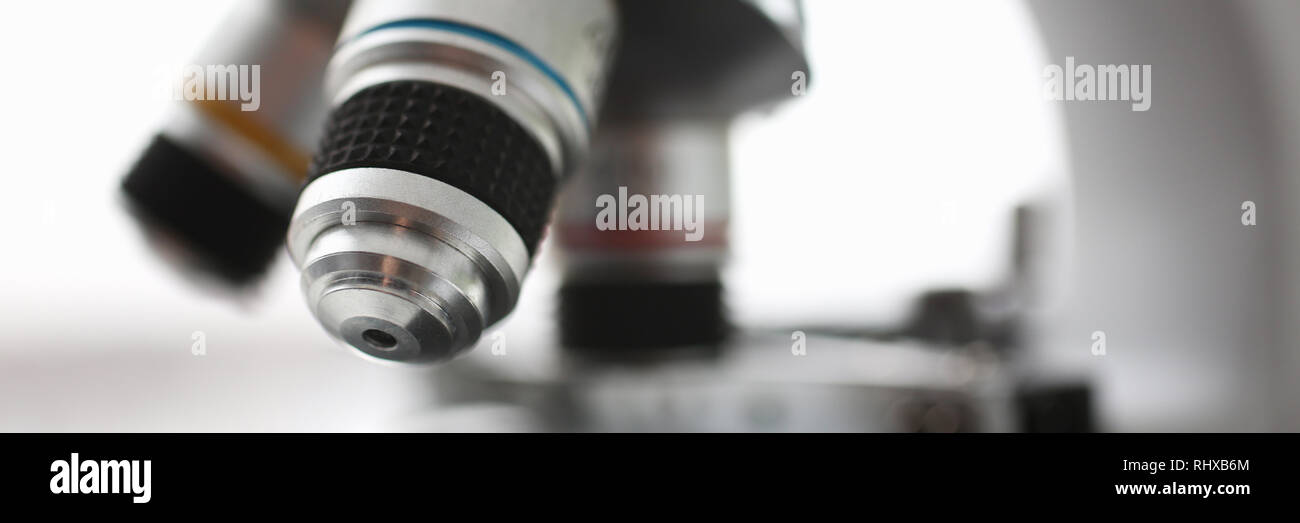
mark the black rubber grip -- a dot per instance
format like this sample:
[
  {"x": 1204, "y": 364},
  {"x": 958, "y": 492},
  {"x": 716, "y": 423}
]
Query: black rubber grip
[
  {"x": 221, "y": 221},
  {"x": 616, "y": 316},
  {"x": 447, "y": 134}
]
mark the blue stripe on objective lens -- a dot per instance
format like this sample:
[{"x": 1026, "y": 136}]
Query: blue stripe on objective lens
[{"x": 491, "y": 38}]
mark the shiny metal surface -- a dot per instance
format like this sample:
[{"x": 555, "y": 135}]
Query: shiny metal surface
[
  {"x": 553, "y": 55},
  {"x": 681, "y": 157},
  {"x": 427, "y": 267},
  {"x": 411, "y": 257},
  {"x": 841, "y": 384}
]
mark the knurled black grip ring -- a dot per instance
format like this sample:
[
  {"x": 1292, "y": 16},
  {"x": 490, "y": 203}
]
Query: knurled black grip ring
[
  {"x": 447, "y": 134},
  {"x": 221, "y": 220},
  {"x": 641, "y": 315}
]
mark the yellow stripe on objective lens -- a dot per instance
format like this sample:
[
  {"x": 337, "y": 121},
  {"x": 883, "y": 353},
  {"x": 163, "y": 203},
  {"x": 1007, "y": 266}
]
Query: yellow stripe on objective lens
[{"x": 285, "y": 154}]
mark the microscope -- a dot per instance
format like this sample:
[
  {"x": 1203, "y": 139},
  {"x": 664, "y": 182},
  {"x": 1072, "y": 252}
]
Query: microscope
[
  {"x": 447, "y": 132},
  {"x": 448, "y": 139}
]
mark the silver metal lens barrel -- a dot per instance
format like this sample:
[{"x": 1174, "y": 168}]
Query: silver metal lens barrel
[
  {"x": 685, "y": 160},
  {"x": 453, "y": 123},
  {"x": 418, "y": 273},
  {"x": 634, "y": 291},
  {"x": 216, "y": 187},
  {"x": 550, "y": 57}
]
